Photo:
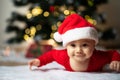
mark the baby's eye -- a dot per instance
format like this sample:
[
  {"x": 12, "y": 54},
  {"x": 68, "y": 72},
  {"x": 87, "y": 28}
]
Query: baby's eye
[
  {"x": 85, "y": 45},
  {"x": 73, "y": 45}
]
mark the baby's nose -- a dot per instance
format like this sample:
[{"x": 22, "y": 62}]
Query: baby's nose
[{"x": 78, "y": 49}]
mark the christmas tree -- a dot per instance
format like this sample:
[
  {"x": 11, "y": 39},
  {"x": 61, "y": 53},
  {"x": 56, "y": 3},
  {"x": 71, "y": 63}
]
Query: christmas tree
[{"x": 45, "y": 16}]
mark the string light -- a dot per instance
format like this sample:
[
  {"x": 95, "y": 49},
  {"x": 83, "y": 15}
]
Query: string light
[
  {"x": 26, "y": 37},
  {"x": 36, "y": 11},
  {"x": 53, "y": 27},
  {"x": 56, "y": 13},
  {"x": 32, "y": 31},
  {"x": 27, "y": 31},
  {"x": 90, "y": 20},
  {"x": 58, "y": 23},
  {"x": 38, "y": 27},
  {"x": 29, "y": 15},
  {"x": 51, "y": 35},
  {"x": 72, "y": 12},
  {"x": 46, "y": 14},
  {"x": 66, "y": 12}
]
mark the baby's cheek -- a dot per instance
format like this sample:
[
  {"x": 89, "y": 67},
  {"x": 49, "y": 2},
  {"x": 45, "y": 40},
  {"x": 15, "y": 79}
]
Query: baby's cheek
[
  {"x": 90, "y": 53},
  {"x": 69, "y": 53}
]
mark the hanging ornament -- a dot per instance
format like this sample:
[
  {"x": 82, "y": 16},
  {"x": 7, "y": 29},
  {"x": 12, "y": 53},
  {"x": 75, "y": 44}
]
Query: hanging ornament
[{"x": 52, "y": 9}]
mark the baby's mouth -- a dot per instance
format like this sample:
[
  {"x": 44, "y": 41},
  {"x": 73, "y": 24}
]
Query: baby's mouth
[{"x": 80, "y": 55}]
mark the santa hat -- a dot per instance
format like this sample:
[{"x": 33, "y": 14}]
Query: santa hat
[{"x": 75, "y": 27}]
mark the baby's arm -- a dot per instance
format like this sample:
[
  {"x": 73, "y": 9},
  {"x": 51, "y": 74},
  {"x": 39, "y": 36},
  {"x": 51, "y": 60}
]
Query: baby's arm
[
  {"x": 115, "y": 60},
  {"x": 115, "y": 65},
  {"x": 34, "y": 62},
  {"x": 42, "y": 60}
]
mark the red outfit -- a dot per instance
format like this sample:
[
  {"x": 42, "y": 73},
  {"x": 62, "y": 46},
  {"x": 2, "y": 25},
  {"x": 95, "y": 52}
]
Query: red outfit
[{"x": 97, "y": 61}]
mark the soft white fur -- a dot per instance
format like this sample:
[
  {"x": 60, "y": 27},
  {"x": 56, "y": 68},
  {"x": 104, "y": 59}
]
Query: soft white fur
[
  {"x": 76, "y": 34},
  {"x": 52, "y": 71}
]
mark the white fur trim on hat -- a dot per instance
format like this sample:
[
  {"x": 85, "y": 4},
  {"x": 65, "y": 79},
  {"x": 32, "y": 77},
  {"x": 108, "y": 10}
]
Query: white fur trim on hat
[
  {"x": 57, "y": 37},
  {"x": 79, "y": 33}
]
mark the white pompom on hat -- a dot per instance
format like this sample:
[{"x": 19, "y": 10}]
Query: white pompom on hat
[{"x": 75, "y": 27}]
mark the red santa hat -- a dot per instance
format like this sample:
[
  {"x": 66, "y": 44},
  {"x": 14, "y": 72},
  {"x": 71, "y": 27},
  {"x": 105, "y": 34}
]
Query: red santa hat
[{"x": 75, "y": 27}]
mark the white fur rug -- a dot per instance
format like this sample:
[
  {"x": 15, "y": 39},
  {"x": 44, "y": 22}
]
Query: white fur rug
[{"x": 52, "y": 71}]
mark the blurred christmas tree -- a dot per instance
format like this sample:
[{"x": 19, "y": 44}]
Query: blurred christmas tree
[{"x": 44, "y": 17}]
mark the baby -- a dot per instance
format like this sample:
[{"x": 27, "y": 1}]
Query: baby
[{"x": 79, "y": 39}]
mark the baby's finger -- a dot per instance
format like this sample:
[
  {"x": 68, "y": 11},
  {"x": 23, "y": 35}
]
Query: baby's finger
[
  {"x": 118, "y": 67},
  {"x": 111, "y": 66},
  {"x": 30, "y": 66}
]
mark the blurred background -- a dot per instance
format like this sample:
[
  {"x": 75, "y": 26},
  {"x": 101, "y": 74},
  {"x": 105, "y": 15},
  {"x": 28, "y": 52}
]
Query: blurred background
[{"x": 27, "y": 26}]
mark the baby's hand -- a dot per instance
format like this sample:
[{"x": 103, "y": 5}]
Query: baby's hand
[
  {"x": 115, "y": 65},
  {"x": 34, "y": 62}
]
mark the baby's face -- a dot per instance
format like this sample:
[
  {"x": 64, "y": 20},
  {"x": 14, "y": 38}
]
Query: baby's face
[{"x": 80, "y": 50}]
